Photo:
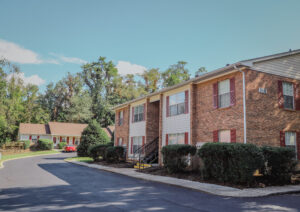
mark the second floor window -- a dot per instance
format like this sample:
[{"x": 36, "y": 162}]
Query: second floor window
[
  {"x": 121, "y": 117},
  {"x": 288, "y": 95},
  {"x": 224, "y": 93},
  {"x": 177, "y": 104},
  {"x": 138, "y": 113}
]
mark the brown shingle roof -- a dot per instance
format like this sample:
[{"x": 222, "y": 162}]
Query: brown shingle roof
[
  {"x": 39, "y": 129},
  {"x": 73, "y": 129}
]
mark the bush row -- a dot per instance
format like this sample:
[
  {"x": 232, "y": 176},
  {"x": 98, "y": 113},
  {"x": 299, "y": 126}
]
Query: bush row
[
  {"x": 106, "y": 152},
  {"x": 45, "y": 144},
  {"x": 61, "y": 145},
  {"x": 234, "y": 163}
]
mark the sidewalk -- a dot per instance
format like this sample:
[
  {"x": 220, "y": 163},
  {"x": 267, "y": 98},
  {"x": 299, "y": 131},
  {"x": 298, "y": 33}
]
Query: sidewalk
[{"x": 204, "y": 187}]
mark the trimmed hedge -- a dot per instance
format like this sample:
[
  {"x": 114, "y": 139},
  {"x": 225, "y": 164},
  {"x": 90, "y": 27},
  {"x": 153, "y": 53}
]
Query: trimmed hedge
[
  {"x": 91, "y": 135},
  {"x": 26, "y": 144},
  {"x": 279, "y": 164},
  {"x": 174, "y": 156},
  {"x": 114, "y": 153},
  {"x": 97, "y": 150},
  {"x": 61, "y": 145},
  {"x": 45, "y": 144},
  {"x": 233, "y": 163}
]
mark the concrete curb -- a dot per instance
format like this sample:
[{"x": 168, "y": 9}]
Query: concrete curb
[
  {"x": 30, "y": 156},
  {"x": 203, "y": 187}
]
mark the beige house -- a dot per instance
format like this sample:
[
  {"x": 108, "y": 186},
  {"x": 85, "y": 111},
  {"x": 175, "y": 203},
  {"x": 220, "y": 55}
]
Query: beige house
[{"x": 56, "y": 131}]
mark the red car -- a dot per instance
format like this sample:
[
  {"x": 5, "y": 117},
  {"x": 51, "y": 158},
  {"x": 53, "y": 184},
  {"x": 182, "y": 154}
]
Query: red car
[{"x": 70, "y": 148}]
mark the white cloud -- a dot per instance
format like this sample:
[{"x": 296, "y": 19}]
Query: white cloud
[
  {"x": 125, "y": 67},
  {"x": 34, "y": 79},
  {"x": 63, "y": 58},
  {"x": 15, "y": 53}
]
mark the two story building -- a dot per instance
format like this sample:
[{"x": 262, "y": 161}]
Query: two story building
[{"x": 252, "y": 101}]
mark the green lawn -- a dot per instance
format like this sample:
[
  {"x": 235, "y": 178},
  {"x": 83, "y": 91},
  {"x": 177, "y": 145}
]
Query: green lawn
[
  {"x": 20, "y": 155},
  {"x": 81, "y": 159}
]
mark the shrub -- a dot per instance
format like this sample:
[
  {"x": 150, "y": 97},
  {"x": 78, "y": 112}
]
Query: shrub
[
  {"x": 26, "y": 144},
  {"x": 233, "y": 163},
  {"x": 279, "y": 164},
  {"x": 92, "y": 134},
  {"x": 114, "y": 153},
  {"x": 174, "y": 156},
  {"x": 61, "y": 145},
  {"x": 45, "y": 144},
  {"x": 97, "y": 150}
]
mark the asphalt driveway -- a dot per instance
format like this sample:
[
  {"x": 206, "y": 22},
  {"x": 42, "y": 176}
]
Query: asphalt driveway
[{"x": 48, "y": 183}]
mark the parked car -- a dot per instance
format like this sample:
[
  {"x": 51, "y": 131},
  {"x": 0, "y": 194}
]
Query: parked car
[{"x": 70, "y": 148}]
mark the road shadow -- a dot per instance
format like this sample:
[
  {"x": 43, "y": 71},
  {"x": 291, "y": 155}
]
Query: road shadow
[{"x": 93, "y": 190}]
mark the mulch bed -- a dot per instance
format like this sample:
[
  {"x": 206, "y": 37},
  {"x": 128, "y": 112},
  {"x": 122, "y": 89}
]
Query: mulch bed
[
  {"x": 121, "y": 164},
  {"x": 13, "y": 151}
]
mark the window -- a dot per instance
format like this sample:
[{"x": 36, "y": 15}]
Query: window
[
  {"x": 77, "y": 141},
  {"x": 54, "y": 140},
  {"x": 137, "y": 143},
  {"x": 63, "y": 139},
  {"x": 177, "y": 104},
  {"x": 288, "y": 95},
  {"x": 138, "y": 113},
  {"x": 224, "y": 136},
  {"x": 120, "y": 142},
  {"x": 121, "y": 117},
  {"x": 290, "y": 140},
  {"x": 177, "y": 138},
  {"x": 224, "y": 93}
]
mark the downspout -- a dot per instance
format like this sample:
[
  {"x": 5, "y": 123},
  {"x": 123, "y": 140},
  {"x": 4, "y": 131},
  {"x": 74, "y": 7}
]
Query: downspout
[{"x": 244, "y": 104}]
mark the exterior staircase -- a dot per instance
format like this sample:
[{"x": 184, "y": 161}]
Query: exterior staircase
[{"x": 147, "y": 154}]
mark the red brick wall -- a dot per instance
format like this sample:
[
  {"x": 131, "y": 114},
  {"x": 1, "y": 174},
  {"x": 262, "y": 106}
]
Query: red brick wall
[
  {"x": 123, "y": 130},
  {"x": 265, "y": 119},
  {"x": 207, "y": 119},
  {"x": 152, "y": 121}
]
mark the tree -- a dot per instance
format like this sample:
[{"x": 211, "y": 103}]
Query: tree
[
  {"x": 151, "y": 80},
  {"x": 200, "y": 71},
  {"x": 100, "y": 78},
  {"x": 92, "y": 134},
  {"x": 175, "y": 74}
]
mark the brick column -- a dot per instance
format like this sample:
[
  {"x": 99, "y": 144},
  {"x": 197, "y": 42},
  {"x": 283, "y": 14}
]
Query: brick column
[
  {"x": 192, "y": 111},
  {"x": 160, "y": 130},
  {"x": 128, "y": 139}
]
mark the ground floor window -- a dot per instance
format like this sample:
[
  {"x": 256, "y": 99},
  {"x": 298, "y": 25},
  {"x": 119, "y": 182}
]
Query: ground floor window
[
  {"x": 224, "y": 136},
  {"x": 176, "y": 138},
  {"x": 77, "y": 141},
  {"x": 63, "y": 139},
  {"x": 290, "y": 140},
  {"x": 120, "y": 142},
  {"x": 54, "y": 140},
  {"x": 137, "y": 142}
]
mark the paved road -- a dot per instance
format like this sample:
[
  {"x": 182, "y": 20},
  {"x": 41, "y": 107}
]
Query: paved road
[{"x": 47, "y": 183}]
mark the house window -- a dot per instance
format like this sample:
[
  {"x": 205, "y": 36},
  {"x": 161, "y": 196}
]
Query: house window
[
  {"x": 224, "y": 136},
  {"x": 137, "y": 143},
  {"x": 177, "y": 104},
  {"x": 138, "y": 113},
  {"x": 224, "y": 93},
  {"x": 176, "y": 138},
  {"x": 77, "y": 141},
  {"x": 54, "y": 140},
  {"x": 120, "y": 142},
  {"x": 288, "y": 95},
  {"x": 121, "y": 117},
  {"x": 63, "y": 139},
  {"x": 290, "y": 140}
]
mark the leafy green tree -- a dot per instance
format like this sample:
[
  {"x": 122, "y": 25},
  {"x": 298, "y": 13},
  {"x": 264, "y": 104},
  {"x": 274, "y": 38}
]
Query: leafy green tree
[
  {"x": 92, "y": 134},
  {"x": 200, "y": 71},
  {"x": 151, "y": 80},
  {"x": 175, "y": 74}
]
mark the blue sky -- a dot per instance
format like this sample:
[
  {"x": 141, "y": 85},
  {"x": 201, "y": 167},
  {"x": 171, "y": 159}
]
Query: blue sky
[{"x": 47, "y": 39}]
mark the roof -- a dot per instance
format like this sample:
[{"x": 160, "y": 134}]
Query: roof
[
  {"x": 290, "y": 69},
  {"x": 67, "y": 129},
  {"x": 41, "y": 129}
]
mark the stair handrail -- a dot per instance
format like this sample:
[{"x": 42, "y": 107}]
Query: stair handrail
[{"x": 143, "y": 149}]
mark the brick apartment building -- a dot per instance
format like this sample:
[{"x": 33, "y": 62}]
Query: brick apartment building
[{"x": 252, "y": 101}]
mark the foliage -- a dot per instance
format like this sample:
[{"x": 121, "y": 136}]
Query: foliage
[
  {"x": 97, "y": 150},
  {"x": 61, "y": 145},
  {"x": 92, "y": 134},
  {"x": 279, "y": 164},
  {"x": 233, "y": 163},
  {"x": 151, "y": 80},
  {"x": 175, "y": 156},
  {"x": 113, "y": 154},
  {"x": 175, "y": 74},
  {"x": 45, "y": 144},
  {"x": 26, "y": 144}
]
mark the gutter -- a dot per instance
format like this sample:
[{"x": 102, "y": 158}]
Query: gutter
[{"x": 244, "y": 104}]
